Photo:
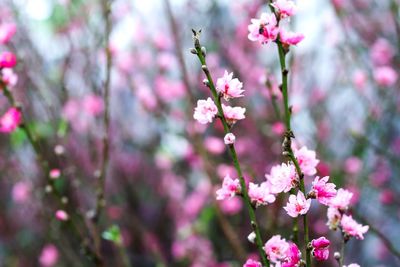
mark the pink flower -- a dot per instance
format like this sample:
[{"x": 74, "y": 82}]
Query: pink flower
[
  {"x": 48, "y": 256},
  {"x": 233, "y": 114},
  {"x": 341, "y": 200},
  {"x": 205, "y": 111},
  {"x": 307, "y": 160},
  {"x": 353, "y": 165},
  {"x": 290, "y": 38},
  {"x": 61, "y": 215},
  {"x": 214, "y": 145},
  {"x": 360, "y": 79},
  {"x": 10, "y": 120},
  {"x": 276, "y": 248},
  {"x": 293, "y": 256},
  {"x": 320, "y": 248},
  {"x": 264, "y": 29},
  {"x": 252, "y": 263},
  {"x": 7, "y": 60},
  {"x": 334, "y": 217},
  {"x": 21, "y": 192},
  {"x": 7, "y": 31},
  {"x": 54, "y": 173},
  {"x": 93, "y": 104},
  {"x": 297, "y": 205},
  {"x": 323, "y": 190},
  {"x": 381, "y": 52},
  {"x": 228, "y": 87},
  {"x": 284, "y": 8},
  {"x": 385, "y": 76},
  {"x": 282, "y": 178},
  {"x": 352, "y": 228},
  {"x": 231, "y": 206},
  {"x": 229, "y": 188},
  {"x": 229, "y": 139},
  {"x": 9, "y": 77},
  {"x": 352, "y": 265},
  {"x": 260, "y": 194}
]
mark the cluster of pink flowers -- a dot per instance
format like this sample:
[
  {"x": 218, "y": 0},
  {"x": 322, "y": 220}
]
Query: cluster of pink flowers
[
  {"x": 10, "y": 121},
  {"x": 320, "y": 248},
  {"x": 281, "y": 252},
  {"x": 267, "y": 29}
]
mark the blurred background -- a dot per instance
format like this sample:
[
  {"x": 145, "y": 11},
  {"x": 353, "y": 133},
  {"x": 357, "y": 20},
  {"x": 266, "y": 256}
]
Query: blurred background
[{"x": 164, "y": 167}]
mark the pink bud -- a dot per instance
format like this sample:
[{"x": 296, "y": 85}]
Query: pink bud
[
  {"x": 7, "y": 60},
  {"x": 61, "y": 215},
  {"x": 55, "y": 173}
]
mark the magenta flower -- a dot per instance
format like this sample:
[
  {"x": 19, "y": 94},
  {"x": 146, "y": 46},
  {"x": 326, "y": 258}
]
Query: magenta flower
[
  {"x": 9, "y": 77},
  {"x": 229, "y": 188},
  {"x": 49, "y": 256},
  {"x": 233, "y": 114},
  {"x": 263, "y": 30},
  {"x": 7, "y": 60},
  {"x": 61, "y": 215},
  {"x": 320, "y": 248},
  {"x": 10, "y": 120},
  {"x": 341, "y": 200},
  {"x": 282, "y": 178},
  {"x": 352, "y": 228},
  {"x": 323, "y": 190},
  {"x": 284, "y": 8},
  {"x": 382, "y": 52},
  {"x": 297, "y": 205},
  {"x": 276, "y": 248},
  {"x": 228, "y": 87},
  {"x": 307, "y": 160},
  {"x": 55, "y": 174},
  {"x": 290, "y": 38},
  {"x": 252, "y": 263},
  {"x": 229, "y": 139},
  {"x": 385, "y": 76},
  {"x": 260, "y": 194},
  {"x": 293, "y": 256},
  {"x": 205, "y": 111},
  {"x": 7, "y": 31}
]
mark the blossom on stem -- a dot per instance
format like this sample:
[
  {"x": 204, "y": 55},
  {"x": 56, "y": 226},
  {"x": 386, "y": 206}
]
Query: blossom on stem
[
  {"x": 341, "y": 200},
  {"x": 10, "y": 120},
  {"x": 229, "y": 188},
  {"x": 9, "y": 77},
  {"x": 307, "y": 160},
  {"x": 290, "y": 38},
  {"x": 282, "y": 178},
  {"x": 7, "y": 60},
  {"x": 252, "y": 263},
  {"x": 320, "y": 248},
  {"x": 297, "y": 205},
  {"x": 352, "y": 228},
  {"x": 263, "y": 30},
  {"x": 260, "y": 194},
  {"x": 334, "y": 217},
  {"x": 276, "y": 248},
  {"x": 228, "y": 87},
  {"x": 205, "y": 111},
  {"x": 323, "y": 190},
  {"x": 385, "y": 76},
  {"x": 293, "y": 256},
  {"x": 233, "y": 114},
  {"x": 285, "y": 8},
  {"x": 229, "y": 139}
]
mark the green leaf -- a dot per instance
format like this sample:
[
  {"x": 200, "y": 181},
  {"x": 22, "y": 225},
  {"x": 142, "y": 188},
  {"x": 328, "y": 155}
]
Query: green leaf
[
  {"x": 113, "y": 234},
  {"x": 17, "y": 138},
  {"x": 62, "y": 128}
]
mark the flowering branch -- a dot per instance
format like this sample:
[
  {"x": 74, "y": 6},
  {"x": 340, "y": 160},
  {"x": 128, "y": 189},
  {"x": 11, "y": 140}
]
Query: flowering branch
[{"x": 200, "y": 52}]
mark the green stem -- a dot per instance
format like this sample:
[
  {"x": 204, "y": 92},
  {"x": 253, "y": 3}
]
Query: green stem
[{"x": 232, "y": 151}]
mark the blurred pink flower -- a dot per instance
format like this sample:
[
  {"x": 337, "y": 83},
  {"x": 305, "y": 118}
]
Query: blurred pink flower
[
  {"x": 233, "y": 114},
  {"x": 229, "y": 139},
  {"x": 352, "y": 265},
  {"x": 381, "y": 52},
  {"x": 169, "y": 90},
  {"x": 229, "y": 188},
  {"x": 214, "y": 145},
  {"x": 353, "y": 165},
  {"x": 146, "y": 97},
  {"x": 61, "y": 215},
  {"x": 385, "y": 76},
  {"x": 10, "y": 120},
  {"x": 278, "y": 128},
  {"x": 55, "y": 173},
  {"x": 7, "y": 60},
  {"x": 387, "y": 197},
  {"x": 360, "y": 79},
  {"x": 290, "y": 38},
  {"x": 252, "y": 263},
  {"x": 93, "y": 104},
  {"x": 264, "y": 29},
  {"x": 49, "y": 256},
  {"x": 205, "y": 111},
  {"x": 282, "y": 178},
  {"x": 260, "y": 194},
  {"x": 352, "y": 228},
  {"x": 285, "y": 8},
  {"x": 341, "y": 200},
  {"x": 323, "y": 190},
  {"x": 228, "y": 87},
  {"x": 320, "y": 248},
  {"x": 307, "y": 160},
  {"x": 231, "y": 206},
  {"x": 21, "y": 192},
  {"x": 9, "y": 77},
  {"x": 7, "y": 31},
  {"x": 297, "y": 205}
]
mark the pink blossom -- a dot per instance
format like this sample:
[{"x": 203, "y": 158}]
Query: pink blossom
[
  {"x": 54, "y": 173},
  {"x": 10, "y": 120},
  {"x": 233, "y": 114},
  {"x": 21, "y": 192},
  {"x": 284, "y": 8},
  {"x": 264, "y": 29},
  {"x": 353, "y": 165},
  {"x": 252, "y": 263},
  {"x": 8, "y": 60},
  {"x": 352, "y": 228},
  {"x": 307, "y": 160},
  {"x": 381, "y": 52},
  {"x": 297, "y": 205},
  {"x": 229, "y": 188},
  {"x": 146, "y": 97},
  {"x": 360, "y": 79},
  {"x": 48, "y": 256},
  {"x": 214, "y": 145},
  {"x": 278, "y": 128},
  {"x": 385, "y": 76},
  {"x": 334, "y": 217},
  {"x": 323, "y": 190},
  {"x": 352, "y": 265},
  {"x": 61, "y": 215},
  {"x": 93, "y": 104},
  {"x": 228, "y": 87},
  {"x": 282, "y": 178},
  {"x": 276, "y": 248},
  {"x": 293, "y": 256},
  {"x": 231, "y": 206},
  {"x": 9, "y": 77},
  {"x": 320, "y": 248},
  {"x": 7, "y": 31},
  {"x": 205, "y": 111},
  {"x": 260, "y": 194},
  {"x": 341, "y": 200},
  {"x": 290, "y": 38},
  {"x": 387, "y": 197},
  {"x": 229, "y": 139}
]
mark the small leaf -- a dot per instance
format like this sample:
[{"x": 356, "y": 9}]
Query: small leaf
[{"x": 113, "y": 234}]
